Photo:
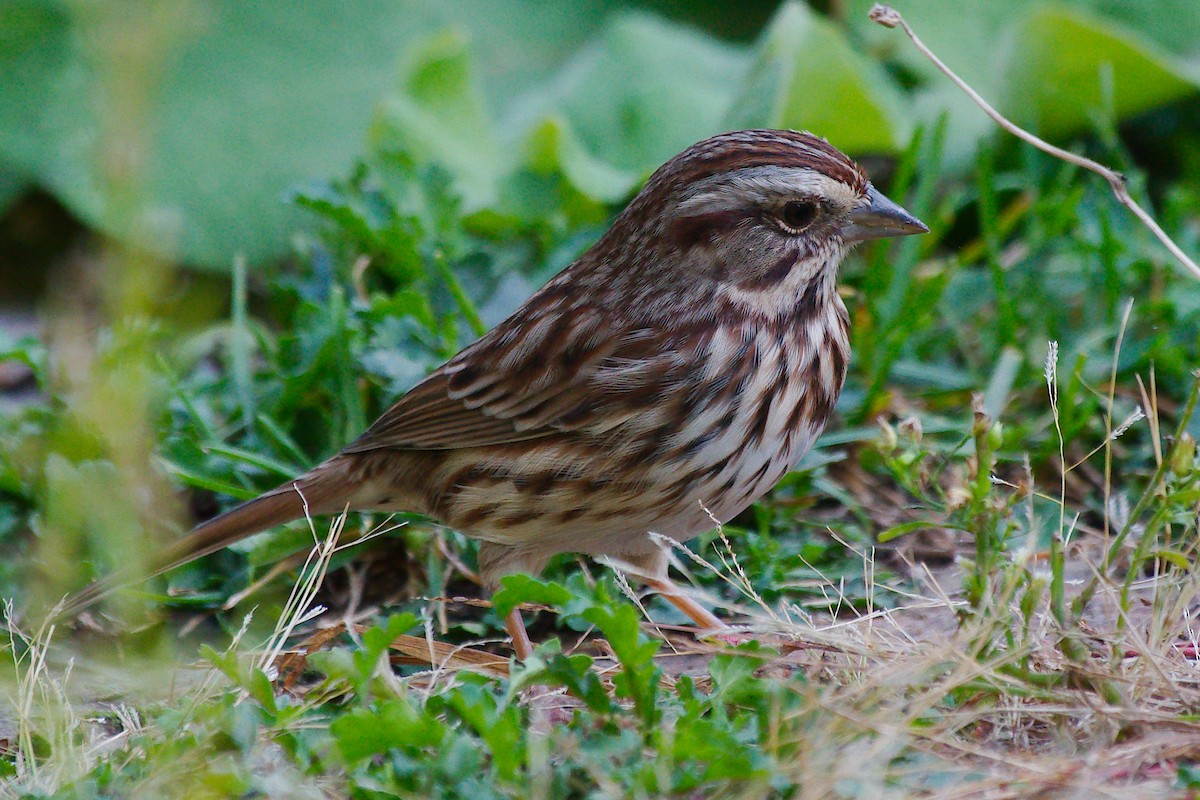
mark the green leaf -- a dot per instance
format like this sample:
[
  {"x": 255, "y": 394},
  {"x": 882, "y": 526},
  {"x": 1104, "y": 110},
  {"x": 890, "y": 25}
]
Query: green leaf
[
  {"x": 554, "y": 147},
  {"x": 896, "y": 531},
  {"x": 192, "y": 477},
  {"x": 517, "y": 589},
  {"x": 621, "y": 626},
  {"x": 499, "y": 725},
  {"x": 243, "y": 674},
  {"x": 1172, "y": 557},
  {"x": 731, "y": 671},
  {"x": 264, "y": 462},
  {"x": 1174, "y": 25},
  {"x": 807, "y": 76},
  {"x": 178, "y": 127},
  {"x": 12, "y": 186},
  {"x": 438, "y": 115},
  {"x": 1067, "y": 61},
  {"x": 635, "y": 96},
  {"x": 363, "y": 733},
  {"x": 1042, "y": 62},
  {"x": 36, "y": 51},
  {"x": 575, "y": 673}
]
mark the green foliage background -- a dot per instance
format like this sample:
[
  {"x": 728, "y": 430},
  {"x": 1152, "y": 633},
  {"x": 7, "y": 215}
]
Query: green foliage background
[{"x": 179, "y": 125}]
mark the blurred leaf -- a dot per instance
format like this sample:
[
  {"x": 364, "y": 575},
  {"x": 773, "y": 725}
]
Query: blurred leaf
[
  {"x": 1064, "y": 59},
  {"x": 626, "y": 102},
  {"x": 640, "y": 92},
  {"x": 554, "y": 147},
  {"x": 178, "y": 126},
  {"x": 35, "y": 50},
  {"x": 438, "y": 115},
  {"x": 11, "y": 187},
  {"x": 363, "y": 732},
  {"x": 806, "y": 75},
  {"x": 1171, "y": 24}
]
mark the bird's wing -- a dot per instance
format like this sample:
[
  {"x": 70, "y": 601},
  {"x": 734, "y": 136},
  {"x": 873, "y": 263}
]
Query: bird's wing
[{"x": 531, "y": 378}]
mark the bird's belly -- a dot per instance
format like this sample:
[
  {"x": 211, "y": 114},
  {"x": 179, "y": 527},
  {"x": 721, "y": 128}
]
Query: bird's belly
[{"x": 613, "y": 503}]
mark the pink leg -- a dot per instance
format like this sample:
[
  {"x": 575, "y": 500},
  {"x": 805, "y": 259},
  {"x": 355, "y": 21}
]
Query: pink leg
[
  {"x": 520, "y": 639},
  {"x": 704, "y": 619}
]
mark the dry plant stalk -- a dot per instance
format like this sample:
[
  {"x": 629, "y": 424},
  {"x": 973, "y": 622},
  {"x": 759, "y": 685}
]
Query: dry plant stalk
[{"x": 891, "y": 18}]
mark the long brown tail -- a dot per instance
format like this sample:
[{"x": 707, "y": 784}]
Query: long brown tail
[{"x": 322, "y": 489}]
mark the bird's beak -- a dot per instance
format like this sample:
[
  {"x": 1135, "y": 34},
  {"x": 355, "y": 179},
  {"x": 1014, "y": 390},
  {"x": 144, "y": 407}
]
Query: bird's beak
[{"x": 877, "y": 217}]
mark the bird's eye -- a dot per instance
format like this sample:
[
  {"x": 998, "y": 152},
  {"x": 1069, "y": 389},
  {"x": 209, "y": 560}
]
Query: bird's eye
[{"x": 796, "y": 215}]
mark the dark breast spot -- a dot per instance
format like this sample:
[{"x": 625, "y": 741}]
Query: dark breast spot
[
  {"x": 571, "y": 514},
  {"x": 752, "y": 484},
  {"x": 535, "y": 483}
]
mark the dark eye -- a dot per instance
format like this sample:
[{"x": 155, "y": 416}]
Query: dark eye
[{"x": 796, "y": 215}]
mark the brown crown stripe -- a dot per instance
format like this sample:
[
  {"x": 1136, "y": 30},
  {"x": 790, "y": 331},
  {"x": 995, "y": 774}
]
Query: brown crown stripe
[{"x": 743, "y": 149}]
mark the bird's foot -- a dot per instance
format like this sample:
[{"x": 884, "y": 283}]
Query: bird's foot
[
  {"x": 548, "y": 706},
  {"x": 731, "y": 637}
]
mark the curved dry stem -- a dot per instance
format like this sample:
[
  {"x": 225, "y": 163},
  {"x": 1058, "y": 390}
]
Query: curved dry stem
[{"x": 891, "y": 18}]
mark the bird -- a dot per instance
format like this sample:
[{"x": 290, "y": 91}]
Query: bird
[{"x": 667, "y": 378}]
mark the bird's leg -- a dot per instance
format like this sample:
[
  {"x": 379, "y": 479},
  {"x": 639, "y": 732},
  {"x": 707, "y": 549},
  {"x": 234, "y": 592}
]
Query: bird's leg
[
  {"x": 651, "y": 569},
  {"x": 704, "y": 619},
  {"x": 548, "y": 704},
  {"x": 520, "y": 638},
  {"x": 708, "y": 623},
  {"x": 497, "y": 560}
]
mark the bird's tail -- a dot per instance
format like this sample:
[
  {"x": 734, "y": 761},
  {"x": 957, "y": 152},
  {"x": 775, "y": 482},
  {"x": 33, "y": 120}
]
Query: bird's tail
[{"x": 316, "y": 492}]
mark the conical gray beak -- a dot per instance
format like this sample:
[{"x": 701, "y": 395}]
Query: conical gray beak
[{"x": 878, "y": 218}]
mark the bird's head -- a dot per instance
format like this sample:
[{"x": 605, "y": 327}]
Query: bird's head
[{"x": 759, "y": 212}]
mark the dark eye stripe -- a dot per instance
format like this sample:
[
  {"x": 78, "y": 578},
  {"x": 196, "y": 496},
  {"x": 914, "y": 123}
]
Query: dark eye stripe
[{"x": 687, "y": 232}]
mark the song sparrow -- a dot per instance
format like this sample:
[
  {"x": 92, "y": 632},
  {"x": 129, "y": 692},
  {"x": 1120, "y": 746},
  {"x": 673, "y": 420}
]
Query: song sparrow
[{"x": 679, "y": 367}]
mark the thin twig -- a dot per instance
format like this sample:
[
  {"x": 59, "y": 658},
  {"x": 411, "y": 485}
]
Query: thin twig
[{"x": 891, "y": 18}]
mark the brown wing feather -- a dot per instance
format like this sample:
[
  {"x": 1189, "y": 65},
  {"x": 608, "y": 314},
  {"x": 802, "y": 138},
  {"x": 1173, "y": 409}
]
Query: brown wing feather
[
  {"x": 527, "y": 379},
  {"x": 428, "y": 419}
]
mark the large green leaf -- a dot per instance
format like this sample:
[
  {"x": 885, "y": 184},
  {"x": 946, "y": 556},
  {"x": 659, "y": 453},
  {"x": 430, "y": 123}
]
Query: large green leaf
[
  {"x": 640, "y": 92},
  {"x": 636, "y": 95},
  {"x": 552, "y": 147},
  {"x": 12, "y": 186},
  {"x": 179, "y": 125},
  {"x": 1068, "y": 65},
  {"x": 1173, "y": 25},
  {"x": 35, "y": 51},
  {"x": 806, "y": 75},
  {"x": 437, "y": 113}
]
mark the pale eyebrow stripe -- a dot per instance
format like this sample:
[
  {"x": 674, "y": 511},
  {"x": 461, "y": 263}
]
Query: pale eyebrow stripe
[{"x": 755, "y": 186}]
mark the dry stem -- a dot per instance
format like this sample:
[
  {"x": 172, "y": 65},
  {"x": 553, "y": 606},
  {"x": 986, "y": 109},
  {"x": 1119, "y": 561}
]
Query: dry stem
[{"x": 891, "y": 18}]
